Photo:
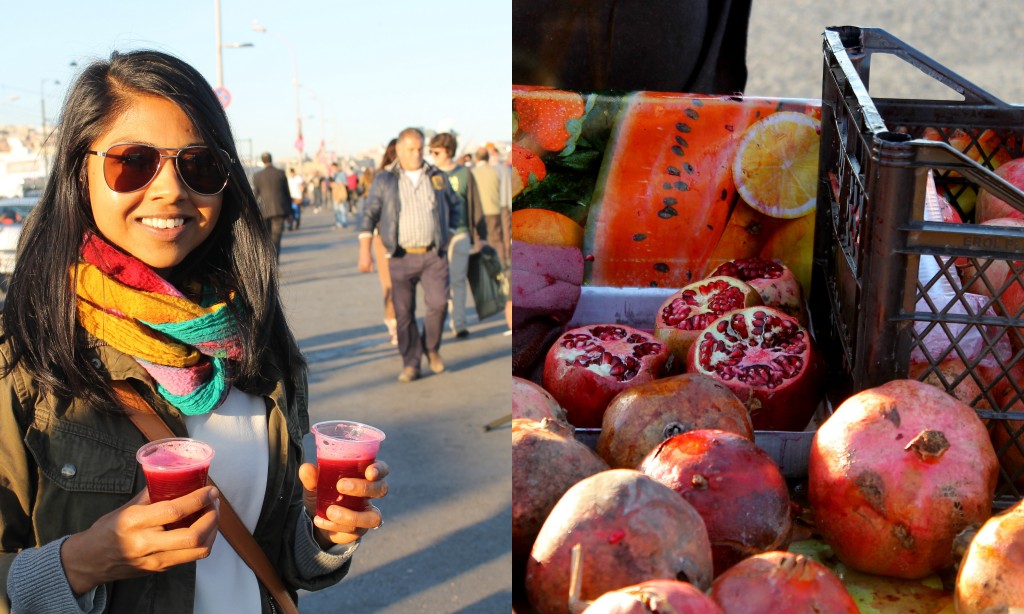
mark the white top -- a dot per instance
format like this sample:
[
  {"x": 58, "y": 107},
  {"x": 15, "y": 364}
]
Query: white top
[
  {"x": 237, "y": 430},
  {"x": 414, "y": 176},
  {"x": 295, "y": 185}
]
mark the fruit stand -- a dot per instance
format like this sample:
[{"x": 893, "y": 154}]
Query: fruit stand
[{"x": 801, "y": 255}]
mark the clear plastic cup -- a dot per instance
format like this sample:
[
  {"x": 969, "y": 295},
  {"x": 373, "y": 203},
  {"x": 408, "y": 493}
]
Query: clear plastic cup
[
  {"x": 174, "y": 468},
  {"x": 344, "y": 449}
]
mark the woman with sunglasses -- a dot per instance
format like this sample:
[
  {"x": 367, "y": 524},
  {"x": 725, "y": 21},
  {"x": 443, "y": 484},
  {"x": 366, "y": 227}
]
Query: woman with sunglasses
[{"x": 147, "y": 262}]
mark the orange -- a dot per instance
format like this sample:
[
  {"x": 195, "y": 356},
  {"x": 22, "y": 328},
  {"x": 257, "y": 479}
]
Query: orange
[
  {"x": 776, "y": 165},
  {"x": 546, "y": 227}
]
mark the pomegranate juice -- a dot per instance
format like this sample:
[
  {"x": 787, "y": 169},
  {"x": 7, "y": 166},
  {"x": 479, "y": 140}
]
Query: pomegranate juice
[
  {"x": 173, "y": 469},
  {"x": 332, "y": 470},
  {"x": 344, "y": 449}
]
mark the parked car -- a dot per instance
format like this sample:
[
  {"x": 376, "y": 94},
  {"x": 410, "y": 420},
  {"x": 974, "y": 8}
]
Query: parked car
[{"x": 13, "y": 213}]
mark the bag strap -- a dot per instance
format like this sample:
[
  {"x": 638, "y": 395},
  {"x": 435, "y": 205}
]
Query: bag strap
[{"x": 230, "y": 525}]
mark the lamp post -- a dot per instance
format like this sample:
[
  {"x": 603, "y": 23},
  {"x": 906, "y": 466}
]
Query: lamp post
[
  {"x": 323, "y": 125},
  {"x": 299, "y": 143},
  {"x": 221, "y": 46}
]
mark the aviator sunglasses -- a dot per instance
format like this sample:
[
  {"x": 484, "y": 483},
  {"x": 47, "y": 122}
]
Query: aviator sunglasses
[{"x": 130, "y": 167}]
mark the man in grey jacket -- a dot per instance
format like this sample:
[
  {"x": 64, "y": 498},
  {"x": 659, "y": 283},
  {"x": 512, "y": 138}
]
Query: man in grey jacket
[{"x": 414, "y": 209}]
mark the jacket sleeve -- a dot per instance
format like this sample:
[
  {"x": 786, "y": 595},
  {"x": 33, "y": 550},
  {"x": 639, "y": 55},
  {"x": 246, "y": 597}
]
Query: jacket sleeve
[
  {"x": 16, "y": 489},
  {"x": 477, "y": 229},
  {"x": 304, "y": 565},
  {"x": 374, "y": 205}
]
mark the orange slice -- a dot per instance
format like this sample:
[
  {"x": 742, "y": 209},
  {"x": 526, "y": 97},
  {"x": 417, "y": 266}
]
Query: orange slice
[
  {"x": 546, "y": 227},
  {"x": 776, "y": 165}
]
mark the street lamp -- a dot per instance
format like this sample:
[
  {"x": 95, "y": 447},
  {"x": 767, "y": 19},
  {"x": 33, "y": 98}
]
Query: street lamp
[
  {"x": 222, "y": 46},
  {"x": 299, "y": 143},
  {"x": 323, "y": 125}
]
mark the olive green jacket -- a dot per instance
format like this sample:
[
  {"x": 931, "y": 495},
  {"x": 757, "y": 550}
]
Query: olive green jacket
[{"x": 63, "y": 465}]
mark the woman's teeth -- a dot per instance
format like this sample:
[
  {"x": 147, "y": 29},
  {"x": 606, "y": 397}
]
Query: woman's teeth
[{"x": 157, "y": 222}]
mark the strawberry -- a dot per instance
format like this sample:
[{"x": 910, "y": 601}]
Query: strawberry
[
  {"x": 550, "y": 117},
  {"x": 528, "y": 167}
]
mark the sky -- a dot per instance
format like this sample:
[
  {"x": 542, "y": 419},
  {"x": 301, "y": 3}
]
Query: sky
[{"x": 366, "y": 69}]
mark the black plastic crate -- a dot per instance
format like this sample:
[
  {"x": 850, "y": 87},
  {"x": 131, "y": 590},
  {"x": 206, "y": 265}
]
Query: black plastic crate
[{"x": 870, "y": 311}]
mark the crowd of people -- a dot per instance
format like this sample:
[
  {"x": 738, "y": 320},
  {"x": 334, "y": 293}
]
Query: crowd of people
[{"x": 419, "y": 223}]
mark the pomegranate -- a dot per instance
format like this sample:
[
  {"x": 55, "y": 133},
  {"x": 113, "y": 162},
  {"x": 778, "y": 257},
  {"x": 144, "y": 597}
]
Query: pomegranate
[
  {"x": 895, "y": 473},
  {"x": 781, "y": 582},
  {"x": 774, "y": 282},
  {"x": 992, "y": 279},
  {"x": 655, "y": 596},
  {"x": 631, "y": 529},
  {"x": 769, "y": 362},
  {"x": 587, "y": 366},
  {"x": 546, "y": 461},
  {"x": 1007, "y": 438},
  {"x": 991, "y": 576},
  {"x": 640, "y": 418},
  {"x": 734, "y": 485},
  {"x": 989, "y": 206},
  {"x": 943, "y": 376},
  {"x": 683, "y": 316},
  {"x": 532, "y": 402}
]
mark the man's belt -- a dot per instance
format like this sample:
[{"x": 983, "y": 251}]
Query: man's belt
[{"x": 418, "y": 250}]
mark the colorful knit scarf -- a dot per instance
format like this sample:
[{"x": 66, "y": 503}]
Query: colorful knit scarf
[{"x": 184, "y": 346}]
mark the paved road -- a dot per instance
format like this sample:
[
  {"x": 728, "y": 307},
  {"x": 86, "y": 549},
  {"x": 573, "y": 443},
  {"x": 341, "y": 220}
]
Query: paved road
[
  {"x": 446, "y": 543},
  {"x": 978, "y": 40}
]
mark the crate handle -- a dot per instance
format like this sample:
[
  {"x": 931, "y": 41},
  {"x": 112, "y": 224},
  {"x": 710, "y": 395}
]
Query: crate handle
[
  {"x": 942, "y": 155},
  {"x": 859, "y": 43}
]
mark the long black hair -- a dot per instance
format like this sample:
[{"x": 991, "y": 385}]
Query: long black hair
[{"x": 39, "y": 315}]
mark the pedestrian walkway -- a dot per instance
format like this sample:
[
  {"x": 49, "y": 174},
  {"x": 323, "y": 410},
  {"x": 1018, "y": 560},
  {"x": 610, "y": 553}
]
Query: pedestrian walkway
[{"x": 446, "y": 545}]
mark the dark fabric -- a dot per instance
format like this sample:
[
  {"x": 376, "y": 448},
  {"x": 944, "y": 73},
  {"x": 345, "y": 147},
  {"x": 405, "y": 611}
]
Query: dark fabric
[
  {"x": 471, "y": 212},
  {"x": 271, "y": 189},
  {"x": 486, "y": 281},
  {"x": 431, "y": 271},
  {"x": 694, "y": 46},
  {"x": 497, "y": 239},
  {"x": 475, "y": 213},
  {"x": 383, "y": 205},
  {"x": 275, "y": 226}
]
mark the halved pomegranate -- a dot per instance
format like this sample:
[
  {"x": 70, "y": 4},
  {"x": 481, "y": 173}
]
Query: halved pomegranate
[
  {"x": 683, "y": 316},
  {"x": 587, "y": 366},
  {"x": 774, "y": 282},
  {"x": 768, "y": 360}
]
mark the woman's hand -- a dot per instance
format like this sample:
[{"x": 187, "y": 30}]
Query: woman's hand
[
  {"x": 342, "y": 525},
  {"x": 131, "y": 541}
]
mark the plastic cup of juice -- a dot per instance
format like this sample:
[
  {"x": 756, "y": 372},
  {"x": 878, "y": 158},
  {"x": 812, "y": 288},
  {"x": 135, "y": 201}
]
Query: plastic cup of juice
[
  {"x": 174, "y": 468},
  {"x": 344, "y": 449}
]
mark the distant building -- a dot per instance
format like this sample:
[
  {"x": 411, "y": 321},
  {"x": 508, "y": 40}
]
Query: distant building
[{"x": 21, "y": 162}]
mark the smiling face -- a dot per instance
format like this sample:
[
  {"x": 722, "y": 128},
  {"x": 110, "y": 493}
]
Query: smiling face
[{"x": 163, "y": 222}]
